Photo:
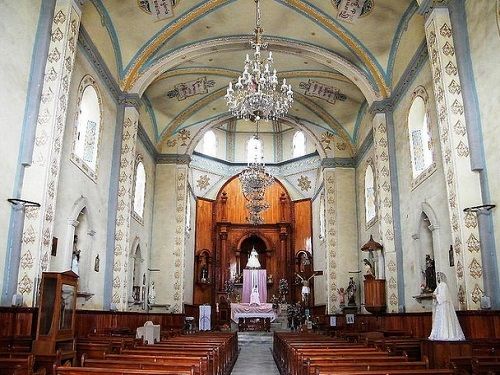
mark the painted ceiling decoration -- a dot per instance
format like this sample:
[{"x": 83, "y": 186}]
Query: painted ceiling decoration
[
  {"x": 159, "y": 9},
  {"x": 184, "y": 90},
  {"x": 322, "y": 91},
  {"x": 351, "y": 10},
  {"x": 180, "y": 65}
]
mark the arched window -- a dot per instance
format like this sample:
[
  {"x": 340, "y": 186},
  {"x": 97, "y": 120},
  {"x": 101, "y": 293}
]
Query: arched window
[
  {"x": 299, "y": 144},
  {"x": 369, "y": 194},
  {"x": 139, "y": 188},
  {"x": 210, "y": 143},
  {"x": 254, "y": 150},
  {"x": 87, "y": 127},
  {"x": 419, "y": 134}
]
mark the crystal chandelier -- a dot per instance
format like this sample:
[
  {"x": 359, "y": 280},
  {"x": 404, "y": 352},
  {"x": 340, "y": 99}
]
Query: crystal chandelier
[
  {"x": 256, "y": 95},
  {"x": 255, "y": 179}
]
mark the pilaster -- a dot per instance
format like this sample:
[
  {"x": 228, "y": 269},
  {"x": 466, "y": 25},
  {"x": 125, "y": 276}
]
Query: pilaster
[
  {"x": 385, "y": 208},
  {"x": 42, "y": 176},
  {"x": 462, "y": 184},
  {"x": 331, "y": 224},
  {"x": 181, "y": 196},
  {"x": 124, "y": 208}
]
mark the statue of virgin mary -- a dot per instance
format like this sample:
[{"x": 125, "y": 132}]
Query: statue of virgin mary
[{"x": 253, "y": 259}]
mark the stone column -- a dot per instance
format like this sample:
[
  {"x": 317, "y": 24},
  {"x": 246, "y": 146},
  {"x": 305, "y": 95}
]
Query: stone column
[
  {"x": 333, "y": 305},
  {"x": 462, "y": 184},
  {"x": 124, "y": 207},
  {"x": 42, "y": 176},
  {"x": 385, "y": 208}
]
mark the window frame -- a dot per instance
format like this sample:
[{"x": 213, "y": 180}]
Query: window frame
[
  {"x": 369, "y": 223},
  {"x": 304, "y": 145},
  {"x": 416, "y": 180},
  {"x": 215, "y": 143},
  {"x": 84, "y": 166},
  {"x": 139, "y": 160}
]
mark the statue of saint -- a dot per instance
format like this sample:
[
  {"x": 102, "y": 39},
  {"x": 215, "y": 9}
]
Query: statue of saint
[
  {"x": 445, "y": 324},
  {"x": 430, "y": 274},
  {"x": 75, "y": 258},
  {"x": 254, "y": 296},
  {"x": 342, "y": 293},
  {"x": 351, "y": 292},
  {"x": 152, "y": 293},
  {"x": 253, "y": 259},
  {"x": 369, "y": 273}
]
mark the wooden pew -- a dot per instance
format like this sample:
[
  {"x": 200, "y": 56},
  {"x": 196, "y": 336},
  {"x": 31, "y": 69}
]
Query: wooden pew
[
  {"x": 112, "y": 371},
  {"x": 389, "y": 372},
  {"x": 464, "y": 365},
  {"x": 193, "y": 358},
  {"x": 19, "y": 365},
  {"x": 174, "y": 364}
]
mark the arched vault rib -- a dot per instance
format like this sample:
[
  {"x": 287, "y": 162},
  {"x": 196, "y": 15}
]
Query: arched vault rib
[
  {"x": 134, "y": 71},
  {"x": 309, "y": 104},
  {"x": 199, "y": 49}
]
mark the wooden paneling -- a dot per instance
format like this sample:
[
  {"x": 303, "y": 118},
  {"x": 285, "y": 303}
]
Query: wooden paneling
[
  {"x": 475, "y": 324},
  {"x": 88, "y": 321},
  {"x": 236, "y": 211},
  {"x": 204, "y": 225},
  {"x": 302, "y": 225},
  {"x": 18, "y": 321}
]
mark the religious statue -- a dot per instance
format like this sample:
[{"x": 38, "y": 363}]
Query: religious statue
[
  {"x": 253, "y": 259},
  {"x": 254, "y": 296},
  {"x": 306, "y": 290},
  {"x": 430, "y": 274},
  {"x": 369, "y": 273},
  {"x": 351, "y": 292},
  {"x": 204, "y": 274},
  {"x": 152, "y": 293},
  {"x": 75, "y": 259},
  {"x": 445, "y": 324},
  {"x": 342, "y": 293}
]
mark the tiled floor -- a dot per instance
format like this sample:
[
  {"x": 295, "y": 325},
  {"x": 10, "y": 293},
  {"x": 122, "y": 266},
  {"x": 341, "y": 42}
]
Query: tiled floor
[{"x": 255, "y": 356}]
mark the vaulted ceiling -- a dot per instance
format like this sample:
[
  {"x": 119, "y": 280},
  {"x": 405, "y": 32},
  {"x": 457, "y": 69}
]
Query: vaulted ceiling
[{"x": 203, "y": 46}]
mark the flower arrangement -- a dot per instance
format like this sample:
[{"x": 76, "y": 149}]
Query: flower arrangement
[
  {"x": 229, "y": 287},
  {"x": 283, "y": 289}
]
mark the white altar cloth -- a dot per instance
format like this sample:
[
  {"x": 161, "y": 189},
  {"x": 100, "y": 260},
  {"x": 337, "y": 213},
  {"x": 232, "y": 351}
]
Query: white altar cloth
[
  {"x": 245, "y": 310},
  {"x": 150, "y": 333}
]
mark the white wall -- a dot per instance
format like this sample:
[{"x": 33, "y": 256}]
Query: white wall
[
  {"x": 74, "y": 184},
  {"x": 319, "y": 254},
  {"x": 18, "y": 24},
  {"x": 189, "y": 251},
  {"x": 431, "y": 193},
  {"x": 164, "y": 233}
]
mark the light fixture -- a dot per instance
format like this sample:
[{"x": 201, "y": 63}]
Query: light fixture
[
  {"x": 257, "y": 94},
  {"x": 255, "y": 179}
]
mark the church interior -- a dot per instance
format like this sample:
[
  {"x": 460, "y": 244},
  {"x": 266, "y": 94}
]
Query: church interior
[{"x": 210, "y": 186}]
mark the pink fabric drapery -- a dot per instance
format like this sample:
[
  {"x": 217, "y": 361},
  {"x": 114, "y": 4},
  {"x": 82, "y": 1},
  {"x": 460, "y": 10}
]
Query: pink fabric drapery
[{"x": 254, "y": 277}]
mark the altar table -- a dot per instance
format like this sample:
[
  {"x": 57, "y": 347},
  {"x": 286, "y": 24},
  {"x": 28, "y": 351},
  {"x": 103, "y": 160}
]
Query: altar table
[{"x": 245, "y": 310}]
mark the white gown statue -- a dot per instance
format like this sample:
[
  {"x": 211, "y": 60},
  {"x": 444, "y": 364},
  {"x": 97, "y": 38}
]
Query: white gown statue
[
  {"x": 445, "y": 324},
  {"x": 254, "y": 296},
  {"x": 253, "y": 259}
]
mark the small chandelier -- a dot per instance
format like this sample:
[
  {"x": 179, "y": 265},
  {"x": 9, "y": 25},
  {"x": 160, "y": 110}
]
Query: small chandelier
[
  {"x": 255, "y": 179},
  {"x": 256, "y": 94}
]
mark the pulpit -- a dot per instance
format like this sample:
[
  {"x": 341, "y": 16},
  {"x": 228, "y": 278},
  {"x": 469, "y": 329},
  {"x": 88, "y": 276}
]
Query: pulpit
[{"x": 374, "y": 295}]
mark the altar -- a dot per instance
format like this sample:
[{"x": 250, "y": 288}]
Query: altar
[{"x": 245, "y": 310}]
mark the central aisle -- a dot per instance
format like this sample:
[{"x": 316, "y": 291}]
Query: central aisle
[{"x": 255, "y": 356}]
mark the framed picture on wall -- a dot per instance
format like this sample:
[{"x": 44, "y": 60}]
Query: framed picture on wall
[{"x": 349, "y": 318}]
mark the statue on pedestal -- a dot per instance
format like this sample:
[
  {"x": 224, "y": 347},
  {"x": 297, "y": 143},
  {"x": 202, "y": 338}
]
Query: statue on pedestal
[
  {"x": 430, "y": 274},
  {"x": 253, "y": 259},
  {"x": 351, "y": 292}
]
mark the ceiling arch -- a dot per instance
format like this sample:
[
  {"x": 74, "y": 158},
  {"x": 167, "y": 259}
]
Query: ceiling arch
[{"x": 330, "y": 59}]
